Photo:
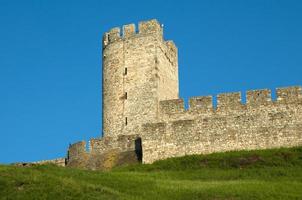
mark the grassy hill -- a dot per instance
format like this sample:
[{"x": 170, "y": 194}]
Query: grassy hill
[{"x": 267, "y": 174}]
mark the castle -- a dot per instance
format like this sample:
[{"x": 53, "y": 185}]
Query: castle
[{"x": 144, "y": 119}]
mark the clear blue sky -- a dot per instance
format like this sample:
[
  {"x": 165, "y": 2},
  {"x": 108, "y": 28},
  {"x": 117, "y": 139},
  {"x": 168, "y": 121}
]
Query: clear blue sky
[{"x": 50, "y": 60}]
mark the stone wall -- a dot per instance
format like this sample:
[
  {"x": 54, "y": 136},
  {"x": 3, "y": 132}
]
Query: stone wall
[
  {"x": 58, "y": 161},
  {"x": 259, "y": 124},
  {"x": 105, "y": 153}
]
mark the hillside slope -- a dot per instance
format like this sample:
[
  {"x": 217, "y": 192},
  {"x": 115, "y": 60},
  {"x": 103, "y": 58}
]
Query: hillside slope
[{"x": 266, "y": 174}]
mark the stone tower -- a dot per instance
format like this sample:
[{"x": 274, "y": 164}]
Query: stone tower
[{"x": 140, "y": 69}]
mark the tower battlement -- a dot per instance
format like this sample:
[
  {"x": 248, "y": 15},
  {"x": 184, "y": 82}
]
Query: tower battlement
[{"x": 129, "y": 30}]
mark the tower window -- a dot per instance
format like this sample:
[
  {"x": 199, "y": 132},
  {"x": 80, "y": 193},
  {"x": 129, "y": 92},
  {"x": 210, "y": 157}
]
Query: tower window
[
  {"x": 126, "y": 121},
  {"x": 125, "y": 72},
  {"x": 126, "y": 95}
]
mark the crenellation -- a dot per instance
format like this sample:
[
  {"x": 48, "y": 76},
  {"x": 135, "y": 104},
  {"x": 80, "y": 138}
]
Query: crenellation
[
  {"x": 77, "y": 150},
  {"x": 201, "y": 104},
  {"x": 105, "y": 40},
  {"x": 289, "y": 94},
  {"x": 258, "y": 97},
  {"x": 229, "y": 101},
  {"x": 114, "y": 34},
  {"x": 150, "y": 26},
  {"x": 129, "y": 30},
  {"x": 173, "y": 106}
]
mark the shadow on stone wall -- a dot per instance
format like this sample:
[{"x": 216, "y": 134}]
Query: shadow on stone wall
[
  {"x": 105, "y": 153},
  {"x": 139, "y": 149}
]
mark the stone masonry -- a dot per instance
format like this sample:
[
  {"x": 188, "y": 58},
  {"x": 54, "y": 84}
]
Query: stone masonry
[
  {"x": 139, "y": 70},
  {"x": 144, "y": 119},
  {"x": 259, "y": 124}
]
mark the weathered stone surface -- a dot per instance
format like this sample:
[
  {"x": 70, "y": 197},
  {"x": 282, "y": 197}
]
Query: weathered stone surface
[
  {"x": 145, "y": 120},
  {"x": 105, "y": 153},
  {"x": 58, "y": 161},
  {"x": 260, "y": 124},
  {"x": 139, "y": 69}
]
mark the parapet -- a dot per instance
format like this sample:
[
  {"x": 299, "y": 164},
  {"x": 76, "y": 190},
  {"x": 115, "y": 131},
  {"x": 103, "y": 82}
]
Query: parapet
[
  {"x": 228, "y": 101},
  {"x": 129, "y": 30},
  {"x": 151, "y": 26},
  {"x": 76, "y": 150},
  {"x": 174, "y": 106},
  {"x": 258, "y": 97},
  {"x": 284, "y": 96},
  {"x": 231, "y": 101},
  {"x": 289, "y": 94},
  {"x": 114, "y": 34},
  {"x": 203, "y": 103}
]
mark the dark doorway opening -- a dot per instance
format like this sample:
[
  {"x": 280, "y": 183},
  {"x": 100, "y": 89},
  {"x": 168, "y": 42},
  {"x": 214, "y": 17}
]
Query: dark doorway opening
[{"x": 139, "y": 149}]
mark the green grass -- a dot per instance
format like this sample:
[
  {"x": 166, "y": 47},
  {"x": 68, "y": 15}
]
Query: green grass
[{"x": 266, "y": 174}]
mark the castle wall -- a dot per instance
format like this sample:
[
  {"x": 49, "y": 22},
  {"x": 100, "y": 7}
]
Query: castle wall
[
  {"x": 58, "y": 161},
  {"x": 260, "y": 123},
  {"x": 144, "y": 119},
  {"x": 105, "y": 153}
]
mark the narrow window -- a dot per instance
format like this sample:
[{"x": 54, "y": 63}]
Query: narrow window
[
  {"x": 126, "y": 121},
  {"x": 126, "y": 95},
  {"x": 125, "y": 72}
]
